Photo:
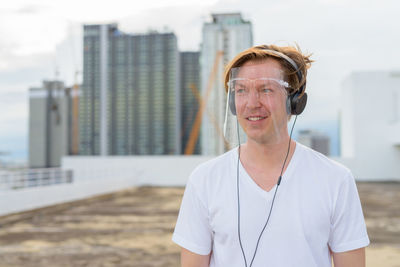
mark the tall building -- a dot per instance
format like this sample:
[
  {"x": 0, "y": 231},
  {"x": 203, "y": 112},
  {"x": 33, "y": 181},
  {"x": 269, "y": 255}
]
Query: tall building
[
  {"x": 190, "y": 92},
  {"x": 315, "y": 140},
  {"x": 130, "y": 93},
  {"x": 50, "y": 124},
  {"x": 223, "y": 38}
]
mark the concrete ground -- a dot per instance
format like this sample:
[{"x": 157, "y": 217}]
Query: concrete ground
[{"x": 134, "y": 228}]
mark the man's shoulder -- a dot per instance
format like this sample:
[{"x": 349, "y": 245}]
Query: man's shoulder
[
  {"x": 213, "y": 168},
  {"x": 217, "y": 163},
  {"x": 318, "y": 161}
]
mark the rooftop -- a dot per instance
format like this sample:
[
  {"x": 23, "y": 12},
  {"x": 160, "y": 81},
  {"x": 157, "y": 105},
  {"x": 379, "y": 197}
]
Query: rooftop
[{"x": 134, "y": 228}]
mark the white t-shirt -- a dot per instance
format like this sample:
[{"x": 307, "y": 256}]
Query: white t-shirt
[{"x": 316, "y": 207}]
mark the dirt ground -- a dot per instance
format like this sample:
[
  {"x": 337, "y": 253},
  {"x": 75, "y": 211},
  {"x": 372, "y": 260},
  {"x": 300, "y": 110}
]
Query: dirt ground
[{"x": 134, "y": 228}]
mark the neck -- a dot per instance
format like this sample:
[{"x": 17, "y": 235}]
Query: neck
[{"x": 268, "y": 155}]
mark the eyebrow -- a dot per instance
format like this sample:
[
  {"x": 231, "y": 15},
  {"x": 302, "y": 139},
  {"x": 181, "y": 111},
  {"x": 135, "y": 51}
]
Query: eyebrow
[
  {"x": 239, "y": 84},
  {"x": 268, "y": 83}
]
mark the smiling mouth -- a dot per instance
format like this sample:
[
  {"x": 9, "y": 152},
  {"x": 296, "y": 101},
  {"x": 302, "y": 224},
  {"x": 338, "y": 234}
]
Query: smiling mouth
[{"x": 255, "y": 118}]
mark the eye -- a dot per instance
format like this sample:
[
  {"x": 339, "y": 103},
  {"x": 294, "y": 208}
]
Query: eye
[
  {"x": 240, "y": 90},
  {"x": 266, "y": 90}
]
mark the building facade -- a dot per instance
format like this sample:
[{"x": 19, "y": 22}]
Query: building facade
[
  {"x": 190, "y": 98},
  {"x": 315, "y": 140},
  {"x": 50, "y": 124},
  {"x": 370, "y": 125},
  {"x": 223, "y": 38},
  {"x": 130, "y": 93}
]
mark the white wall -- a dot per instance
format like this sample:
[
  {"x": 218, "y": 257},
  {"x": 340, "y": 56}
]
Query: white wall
[
  {"x": 370, "y": 125},
  {"x": 100, "y": 175},
  {"x": 143, "y": 170},
  {"x": 12, "y": 201}
]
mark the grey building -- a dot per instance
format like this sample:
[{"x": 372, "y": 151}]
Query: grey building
[
  {"x": 315, "y": 140},
  {"x": 190, "y": 97},
  {"x": 130, "y": 93},
  {"x": 50, "y": 124},
  {"x": 223, "y": 38}
]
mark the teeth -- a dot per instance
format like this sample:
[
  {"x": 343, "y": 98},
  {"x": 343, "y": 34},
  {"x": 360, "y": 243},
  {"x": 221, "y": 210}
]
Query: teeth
[{"x": 255, "y": 118}]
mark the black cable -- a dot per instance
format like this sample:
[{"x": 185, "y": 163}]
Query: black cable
[
  {"x": 273, "y": 200},
  {"x": 238, "y": 193}
]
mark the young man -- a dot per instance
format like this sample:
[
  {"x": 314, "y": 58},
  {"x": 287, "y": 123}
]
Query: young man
[{"x": 233, "y": 214}]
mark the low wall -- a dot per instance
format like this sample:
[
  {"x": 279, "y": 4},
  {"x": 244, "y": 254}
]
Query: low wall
[
  {"x": 143, "y": 170},
  {"x": 99, "y": 175}
]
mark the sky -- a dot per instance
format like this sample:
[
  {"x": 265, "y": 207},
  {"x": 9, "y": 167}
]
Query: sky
[{"x": 42, "y": 39}]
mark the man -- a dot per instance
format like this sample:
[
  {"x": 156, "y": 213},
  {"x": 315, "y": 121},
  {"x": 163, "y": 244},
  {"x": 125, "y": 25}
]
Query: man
[{"x": 233, "y": 214}]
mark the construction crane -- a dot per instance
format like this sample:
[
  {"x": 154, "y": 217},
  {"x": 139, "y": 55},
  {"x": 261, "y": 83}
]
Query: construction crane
[
  {"x": 74, "y": 149},
  {"x": 217, "y": 127},
  {"x": 75, "y": 120},
  {"x": 194, "y": 134}
]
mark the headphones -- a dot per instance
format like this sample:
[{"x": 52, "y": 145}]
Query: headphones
[{"x": 295, "y": 102}]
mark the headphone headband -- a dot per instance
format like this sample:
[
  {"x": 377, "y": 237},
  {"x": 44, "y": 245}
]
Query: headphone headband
[
  {"x": 291, "y": 61},
  {"x": 279, "y": 54}
]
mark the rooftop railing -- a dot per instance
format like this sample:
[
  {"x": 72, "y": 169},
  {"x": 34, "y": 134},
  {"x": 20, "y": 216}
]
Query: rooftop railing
[{"x": 13, "y": 180}]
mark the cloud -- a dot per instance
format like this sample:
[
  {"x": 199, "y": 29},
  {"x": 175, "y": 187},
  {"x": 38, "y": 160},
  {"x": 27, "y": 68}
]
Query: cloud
[
  {"x": 31, "y": 9},
  {"x": 344, "y": 36},
  {"x": 69, "y": 55},
  {"x": 26, "y": 71},
  {"x": 14, "y": 86},
  {"x": 44, "y": 31},
  {"x": 185, "y": 21}
]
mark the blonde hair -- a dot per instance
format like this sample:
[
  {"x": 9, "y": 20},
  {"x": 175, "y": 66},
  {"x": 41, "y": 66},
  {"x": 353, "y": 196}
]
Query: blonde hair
[{"x": 261, "y": 53}]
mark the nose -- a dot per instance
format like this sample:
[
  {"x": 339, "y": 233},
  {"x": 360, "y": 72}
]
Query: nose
[{"x": 253, "y": 99}]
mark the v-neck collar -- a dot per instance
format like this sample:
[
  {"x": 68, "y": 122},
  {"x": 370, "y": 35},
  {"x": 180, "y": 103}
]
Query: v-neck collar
[{"x": 244, "y": 176}]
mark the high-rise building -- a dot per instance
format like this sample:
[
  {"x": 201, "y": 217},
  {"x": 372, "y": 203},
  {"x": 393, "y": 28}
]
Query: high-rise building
[
  {"x": 190, "y": 97},
  {"x": 315, "y": 140},
  {"x": 50, "y": 124},
  {"x": 130, "y": 93},
  {"x": 223, "y": 38}
]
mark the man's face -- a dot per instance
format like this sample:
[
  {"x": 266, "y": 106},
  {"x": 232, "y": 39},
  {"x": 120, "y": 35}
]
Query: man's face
[{"x": 260, "y": 98}]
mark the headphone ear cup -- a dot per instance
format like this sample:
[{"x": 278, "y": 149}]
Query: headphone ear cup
[
  {"x": 297, "y": 103},
  {"x": 232, "y": 105}
]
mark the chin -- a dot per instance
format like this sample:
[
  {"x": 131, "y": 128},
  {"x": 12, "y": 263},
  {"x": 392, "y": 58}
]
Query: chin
[{"x": 263, "y": 139}]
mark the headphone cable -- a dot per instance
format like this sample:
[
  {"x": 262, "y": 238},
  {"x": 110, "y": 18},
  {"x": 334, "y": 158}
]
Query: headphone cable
[{"x": 273, "y": 200}]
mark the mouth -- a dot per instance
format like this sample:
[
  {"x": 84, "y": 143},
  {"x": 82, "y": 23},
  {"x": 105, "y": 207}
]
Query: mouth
[{"x": 255, "y": 118}]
